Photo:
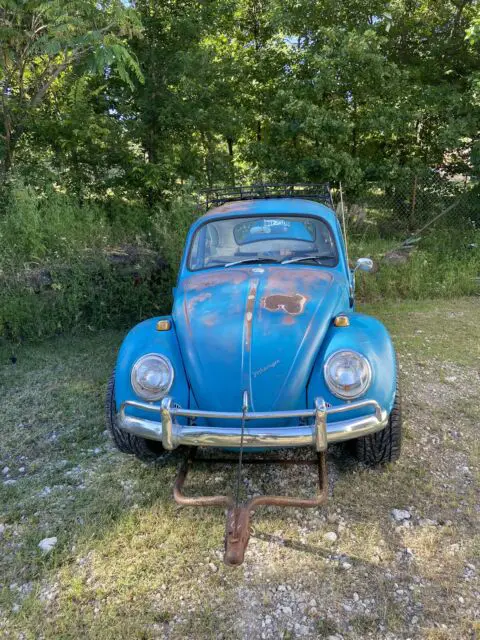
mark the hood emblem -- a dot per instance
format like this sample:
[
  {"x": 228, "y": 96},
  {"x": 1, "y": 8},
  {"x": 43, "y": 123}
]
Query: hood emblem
[
  {"x": 293, "y": 305},
  {"x": 263, "y": 370}
]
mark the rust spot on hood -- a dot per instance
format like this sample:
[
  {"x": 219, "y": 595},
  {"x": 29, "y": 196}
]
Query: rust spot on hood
[
  {"x": 202, "y": 281},
  {"x": 211, "y": 319},
  {"x": 252, "y": 294},
  {"x": 292, "y": 304},
  {"x": 201, "y": 297}
]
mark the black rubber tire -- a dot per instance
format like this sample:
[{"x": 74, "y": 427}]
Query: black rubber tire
[
  {"x": 145, "y": 450},
  {"x": 385, "y": 445}
]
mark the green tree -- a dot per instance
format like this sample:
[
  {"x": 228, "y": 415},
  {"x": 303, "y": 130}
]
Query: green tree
[{"x": 42, "y": 40}]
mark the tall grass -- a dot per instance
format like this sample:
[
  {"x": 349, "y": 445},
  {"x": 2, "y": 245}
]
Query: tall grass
[
  {"x": 55, "y": 273},
  {"x": 445, "y": 264}
]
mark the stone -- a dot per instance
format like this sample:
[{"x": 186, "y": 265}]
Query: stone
[
  {"x": 331, "y": 536},
  {"x": 426, "y": 522},
  {"x": 396, "y": 257},
  {"x": 47, "y": 544},
  {"x": 5, "y": 470},
  {"x": 400, "y": 514}
]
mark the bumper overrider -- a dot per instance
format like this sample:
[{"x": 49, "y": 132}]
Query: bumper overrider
[{"x": 318, "y": 433}]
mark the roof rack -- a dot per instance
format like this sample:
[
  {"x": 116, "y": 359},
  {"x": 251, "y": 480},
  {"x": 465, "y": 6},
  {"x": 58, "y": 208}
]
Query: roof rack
[{"x": 218, "y": 196}]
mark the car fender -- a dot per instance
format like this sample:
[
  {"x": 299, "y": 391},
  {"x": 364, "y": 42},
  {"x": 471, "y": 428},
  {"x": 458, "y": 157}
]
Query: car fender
[
  {"x": 369, "y": 337},
  {"x": 144, "y": 338}
]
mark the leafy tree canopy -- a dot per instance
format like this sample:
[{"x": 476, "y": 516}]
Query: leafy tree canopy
[{"x": 127, "y": 101}]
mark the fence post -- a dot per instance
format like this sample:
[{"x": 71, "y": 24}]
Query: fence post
[{"x": 414, "y": 201}]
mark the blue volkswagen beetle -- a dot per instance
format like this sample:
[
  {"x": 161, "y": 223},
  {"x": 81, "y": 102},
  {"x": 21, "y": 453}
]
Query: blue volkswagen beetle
[{"x": 263, "y": 349}]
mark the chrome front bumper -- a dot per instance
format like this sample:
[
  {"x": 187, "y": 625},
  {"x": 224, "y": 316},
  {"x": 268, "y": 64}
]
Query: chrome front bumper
[{"x": 318, "y": 434}]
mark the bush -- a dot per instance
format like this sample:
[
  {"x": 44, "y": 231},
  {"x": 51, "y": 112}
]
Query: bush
[
  {"x": 55, "y": 271},
  {"x": 90, "y": 295},
  {"x": 171, "y": 224},
  {"x": 52, "y": 226}
]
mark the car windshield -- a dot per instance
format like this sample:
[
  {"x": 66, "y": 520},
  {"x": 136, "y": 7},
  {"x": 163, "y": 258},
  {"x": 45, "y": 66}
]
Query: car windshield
[{"x": 282, "y": 238}]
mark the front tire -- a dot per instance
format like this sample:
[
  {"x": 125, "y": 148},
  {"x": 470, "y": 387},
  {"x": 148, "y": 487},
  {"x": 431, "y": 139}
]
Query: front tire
[
  {"x": 385, "y": 445},
  {"x": 145, "y": 450}
]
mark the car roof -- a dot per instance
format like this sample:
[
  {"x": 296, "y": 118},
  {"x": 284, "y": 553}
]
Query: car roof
[{"x": 270, "y": 206}]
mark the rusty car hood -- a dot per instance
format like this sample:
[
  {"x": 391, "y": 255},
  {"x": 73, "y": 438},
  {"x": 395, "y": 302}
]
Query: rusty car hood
[{"x": 254, "y": 329}]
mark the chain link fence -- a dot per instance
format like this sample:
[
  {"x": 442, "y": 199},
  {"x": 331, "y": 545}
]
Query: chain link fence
[{"x": 407, "y": 204}]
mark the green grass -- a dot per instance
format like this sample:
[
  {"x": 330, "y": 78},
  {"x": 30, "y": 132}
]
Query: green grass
[
  {"x": 445, "y": 264},
  {"x": 130, "y": 563}
]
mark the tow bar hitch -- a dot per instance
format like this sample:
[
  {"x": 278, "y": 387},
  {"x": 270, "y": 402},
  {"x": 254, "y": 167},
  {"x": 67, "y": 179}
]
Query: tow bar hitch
[{"x": 237, "y": 531}]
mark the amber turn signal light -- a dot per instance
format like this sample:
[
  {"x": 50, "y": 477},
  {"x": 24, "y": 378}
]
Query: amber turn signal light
[
  {"x": 341, "y": 321},
  {"x": 164, "y": 325}
]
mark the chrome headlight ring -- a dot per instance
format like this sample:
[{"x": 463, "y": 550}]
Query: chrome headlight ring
[
  {"x": 152, "y": 376},
  {"x": 348, "y": 374}
]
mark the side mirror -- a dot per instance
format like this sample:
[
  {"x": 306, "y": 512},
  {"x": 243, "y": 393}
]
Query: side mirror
[{"x": 364, "y": 264}]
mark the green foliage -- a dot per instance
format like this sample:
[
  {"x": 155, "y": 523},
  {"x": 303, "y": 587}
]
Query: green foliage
[
  {"x": 171, "y": 225},
  {"x": 56, "y": 273},
  {"x": 445, "y": 265},
  {"x": 236, "y": 90},
  {"x": 87, "y": 294},
  {"x": 112, "y": 114},
  {"x": 35, "y": 229},
  {"x": 41, "y": 42}
]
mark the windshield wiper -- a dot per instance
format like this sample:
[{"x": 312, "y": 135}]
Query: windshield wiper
[
  {"x": 317, "y": 257},
  {"x": 257, "y": 259}
]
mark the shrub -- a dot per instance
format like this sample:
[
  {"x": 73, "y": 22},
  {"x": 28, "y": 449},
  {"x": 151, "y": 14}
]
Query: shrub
[
  {"x": 89, "y": 295},
  {"x": 55, "y": 272}
]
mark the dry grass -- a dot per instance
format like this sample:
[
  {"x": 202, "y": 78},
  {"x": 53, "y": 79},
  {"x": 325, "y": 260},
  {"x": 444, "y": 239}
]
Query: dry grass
[{"x": 130, "y": 564}]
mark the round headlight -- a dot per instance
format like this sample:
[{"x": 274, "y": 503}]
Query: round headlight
[
  {"x": 152, "y": 376},
  {"x": 347, "y": 374}
]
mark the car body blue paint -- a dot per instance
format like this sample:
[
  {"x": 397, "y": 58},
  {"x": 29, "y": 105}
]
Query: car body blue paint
[
  {"x": 367, "y": 336},
  {"x": 228, "y": 329},
  {"x": 266, "y": 328},
  {"x": 141, "y": 340}
]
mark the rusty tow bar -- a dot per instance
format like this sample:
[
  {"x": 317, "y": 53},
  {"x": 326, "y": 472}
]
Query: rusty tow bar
[{"x": 237, "y": 531}]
